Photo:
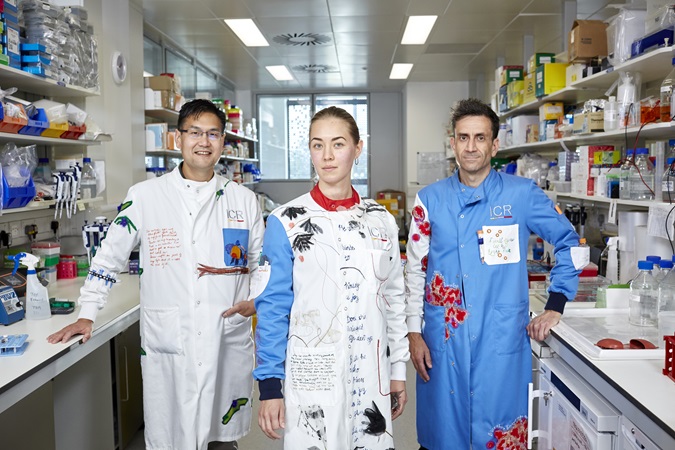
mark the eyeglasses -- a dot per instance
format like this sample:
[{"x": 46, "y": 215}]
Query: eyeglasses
[{"x": 196, "y": 133}]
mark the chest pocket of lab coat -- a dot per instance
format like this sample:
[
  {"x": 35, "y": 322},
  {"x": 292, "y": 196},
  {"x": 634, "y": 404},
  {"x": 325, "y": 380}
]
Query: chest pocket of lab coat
[
  {"x": 235, "y": 241},
  {"x": 501, "y": 244},
  {"x": 161, "y": 331},
  {"x": 313, "y": 375}
]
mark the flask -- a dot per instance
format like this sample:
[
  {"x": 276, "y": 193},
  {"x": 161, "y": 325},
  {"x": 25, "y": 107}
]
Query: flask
[
  {"x": 666, "y": 317},
  {"x": 624, "y": 175},
  {"x": 88, "y": 181},
  {"x": 643, "y": 300},
  {"x": 666, "y": 94},
  {"x": 538, "y": 249},
  {"x": 642, "y": 179},
  {"x": 611, "y": 114},
  {"x": 43, "y": 173},
  {"x": 668, "y": 182},
  {"x": 37, "y": 298},
  {"x": 552, "y": 175}
]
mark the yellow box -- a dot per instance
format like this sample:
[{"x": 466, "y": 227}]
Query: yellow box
[
  {"x": 514, "y": 93},
  {"x": 529, "y": 89},
  {"x": 549, "y": 78},
  {"x": 55, "y": 130},
  {"x": 611, "y": 157},
  {"x": 551, "y": 111}
]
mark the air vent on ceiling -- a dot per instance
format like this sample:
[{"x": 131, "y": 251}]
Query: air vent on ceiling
[
  {"x": 298, "y": 39},
  {"x": 315, "y": 68}
]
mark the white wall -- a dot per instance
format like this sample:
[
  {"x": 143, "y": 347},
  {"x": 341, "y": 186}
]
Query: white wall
[{"x": 427, "y": 113}]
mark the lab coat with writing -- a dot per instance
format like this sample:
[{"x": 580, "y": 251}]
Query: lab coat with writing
[
  {"x": 470, "y": 301},
  {"x": 196, "y": 365},
  {"x": 331, "y": 322}
]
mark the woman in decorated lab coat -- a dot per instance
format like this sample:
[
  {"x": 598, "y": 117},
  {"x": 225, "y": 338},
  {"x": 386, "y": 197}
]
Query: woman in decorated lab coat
[
  {"x": 331, "y": 315},
  {"x": 200, "y": 237}
]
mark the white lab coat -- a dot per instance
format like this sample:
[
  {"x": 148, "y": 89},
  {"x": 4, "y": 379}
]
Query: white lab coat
[
  {"x": 331, "y": 322},
  {"x": 196, "y": 364}
]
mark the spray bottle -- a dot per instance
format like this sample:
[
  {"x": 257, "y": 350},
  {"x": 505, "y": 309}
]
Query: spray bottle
[{"x": 37, "y": 298}]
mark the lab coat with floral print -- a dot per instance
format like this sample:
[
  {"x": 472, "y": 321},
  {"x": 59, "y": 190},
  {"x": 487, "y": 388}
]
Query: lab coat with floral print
[
  {"x": 468, "y": 296},
  {"x": 331, "y": 322}
]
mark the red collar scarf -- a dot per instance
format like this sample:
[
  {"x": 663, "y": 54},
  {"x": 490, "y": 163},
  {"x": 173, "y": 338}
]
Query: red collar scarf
[{"x": 333, "y": 205}]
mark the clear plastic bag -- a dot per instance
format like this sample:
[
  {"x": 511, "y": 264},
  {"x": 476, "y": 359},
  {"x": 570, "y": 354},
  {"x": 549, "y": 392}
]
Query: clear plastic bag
[{"x": 18, "y": 163}]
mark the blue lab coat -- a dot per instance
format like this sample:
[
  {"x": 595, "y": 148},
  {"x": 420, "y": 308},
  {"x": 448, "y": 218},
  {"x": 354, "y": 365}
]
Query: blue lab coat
[{"x": 472, "y": 313}]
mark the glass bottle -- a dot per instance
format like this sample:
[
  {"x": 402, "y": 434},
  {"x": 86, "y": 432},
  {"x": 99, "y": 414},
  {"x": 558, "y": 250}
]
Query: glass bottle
[
  {"x": 656, "y": 270},
  {"x": 666, "y": 94},
  {"x": 643, "y": 301},
  {"x": 88, "y": 181},
  {"x": 666, "y": 316},
  {"x": 666, "y": 266},
  {"x": 624, "y": 175},
  {"x": 668, "y": 182},
  {"x": 642, "y": 180},
  {"x": 538, "y": 249}
]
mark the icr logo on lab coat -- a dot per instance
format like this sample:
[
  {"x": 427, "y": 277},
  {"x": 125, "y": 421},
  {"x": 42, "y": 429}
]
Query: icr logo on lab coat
[{"x": 500, "y": 212}]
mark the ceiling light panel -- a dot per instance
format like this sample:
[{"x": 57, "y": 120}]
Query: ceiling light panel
[
  {"x": 247, "y": 31},
  {"x": 417, "y": 30},
  {"x": 280, "y": 73},
  {"x": 400, "y": 71}
]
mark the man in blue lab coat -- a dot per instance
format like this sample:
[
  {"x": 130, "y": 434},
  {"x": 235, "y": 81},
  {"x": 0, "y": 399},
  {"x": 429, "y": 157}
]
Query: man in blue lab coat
[{"x": 468, "y": 306}]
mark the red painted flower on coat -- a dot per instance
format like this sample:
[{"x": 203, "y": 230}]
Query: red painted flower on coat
[
  {"x": 425, "y": 228},
  {"x": 514, "y": 438},
  {"x": 440, "y": 294},
  {"x": 418, "y": 213},
  {"x": 425, "y": 262}
]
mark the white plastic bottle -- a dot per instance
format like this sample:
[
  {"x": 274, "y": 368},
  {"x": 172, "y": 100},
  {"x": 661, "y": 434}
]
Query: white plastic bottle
[
  {"x": 624, "y": 175},
  {"x": 642, "y": 183},
  {"x": 611, "y": 115},
  {"x": 666, "y": 306},
  {"x": 643, "y": 300},
  {"x": 37, "y": 297},
  {"x": 88, "y": 181}
]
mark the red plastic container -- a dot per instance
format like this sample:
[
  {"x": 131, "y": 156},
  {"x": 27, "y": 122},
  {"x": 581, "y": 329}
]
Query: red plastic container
[
  {"x": 669, "y": 369},
  {"x": 11, "y": 124},
  {"x": 74, "y": 132}
]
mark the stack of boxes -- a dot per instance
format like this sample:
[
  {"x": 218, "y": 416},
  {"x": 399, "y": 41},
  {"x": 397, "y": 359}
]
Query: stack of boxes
[
  {"x": 550, "y": 115},
  {"x": 11, "y": 54},
  {"x": 588, "y": 174},
  {"x": 504, "y": 76},
  {"x": 37, "y": 60},
  {"x": 162, "y": 91}
]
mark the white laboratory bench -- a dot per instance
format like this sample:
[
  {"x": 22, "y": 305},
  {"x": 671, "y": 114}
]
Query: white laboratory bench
[
  {"x": 78, "y": 376},
  {"x": 635, "y": 387}
]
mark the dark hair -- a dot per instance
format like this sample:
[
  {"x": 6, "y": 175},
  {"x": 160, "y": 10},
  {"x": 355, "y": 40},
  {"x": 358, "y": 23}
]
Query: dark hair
[
  {"x": 475, "y": 107},
  {"x": 195, "y": 108},
  {"x": 338, "y": 113}
]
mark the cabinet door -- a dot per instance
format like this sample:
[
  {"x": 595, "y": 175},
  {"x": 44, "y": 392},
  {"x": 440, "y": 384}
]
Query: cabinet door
[{"x": 128, "y": 383}]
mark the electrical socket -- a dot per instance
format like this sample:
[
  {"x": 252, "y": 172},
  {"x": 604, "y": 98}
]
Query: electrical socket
[{"x": 15, "y": 230}]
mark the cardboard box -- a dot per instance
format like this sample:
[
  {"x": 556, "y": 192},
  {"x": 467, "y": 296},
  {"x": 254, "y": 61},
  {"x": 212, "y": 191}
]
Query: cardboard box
[
  {"x": 547, "y": 130},
  {"x": 504, "y": 74},
  {"x": 587, "y": 40},
  {"x": 595, "y": 121},
  {"x": 549, "y": 78},
  {"x": 573, "y": 73},
  {"x": 162, "y": 83},
  {"x": 551, "y": 111},
  {"x": 538, "y": 59},
  {"x": 514, "y": 93},
  {"x": 529, "y": 89},
  {"x": 503, "y": 99},
  {"x": 519, "y": 128}
]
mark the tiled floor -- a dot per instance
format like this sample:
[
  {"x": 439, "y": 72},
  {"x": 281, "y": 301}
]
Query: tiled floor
[{"x": 404, "y": 427}]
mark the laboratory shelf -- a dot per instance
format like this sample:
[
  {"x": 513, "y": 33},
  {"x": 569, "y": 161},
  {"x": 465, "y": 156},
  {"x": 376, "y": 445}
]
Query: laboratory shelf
[
  {"x": 168, "y": 115},
  {"x": 46, "y": 204},
  {"x": 39, "y": 140},
  {"x": 237, "y": 158},
  {"x": 230, "y": 136},
  {"x": 24, "y": 81},
  {"x": 164, "y": 152},
  {"x": 631, "y": 204},
  {"x": 566, "y": 95}
]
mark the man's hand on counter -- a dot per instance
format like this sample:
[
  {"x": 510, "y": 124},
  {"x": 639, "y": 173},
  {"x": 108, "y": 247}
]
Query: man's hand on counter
[
  {"x": 82, "y": 326},
  {"x": 540, "y": 327}
]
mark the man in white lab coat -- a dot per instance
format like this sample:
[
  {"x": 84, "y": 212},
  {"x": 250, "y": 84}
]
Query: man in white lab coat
[{"x": 200, "y": 237}]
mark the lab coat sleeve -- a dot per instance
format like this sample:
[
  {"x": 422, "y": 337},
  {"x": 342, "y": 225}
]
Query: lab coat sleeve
[
  {"x": 415, "y": 269},
  {"x": 111, "y": 258},
  {"x": 255, "y": 241},
  {"x": 273, "y": 305},
  {"x": 546, "y": 220},
  {"x": 394, "y": 294}
]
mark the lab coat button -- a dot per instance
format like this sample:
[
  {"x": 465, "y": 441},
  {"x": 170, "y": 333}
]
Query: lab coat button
[
  {"x": 466, "y": 275},
  {"x": 193, "y": 242},
  {"x": 199, "y": 302},
  {"x": 199, "y": 333},
  {"x": 463, "y": 189},
  {"x": 461, "y": 216},
  {"x": 452, "y": 392},
  {"x": 472, "y": 393},
  {"x": 199, "y": 364},
  {"x": 461, "y": 245}
]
